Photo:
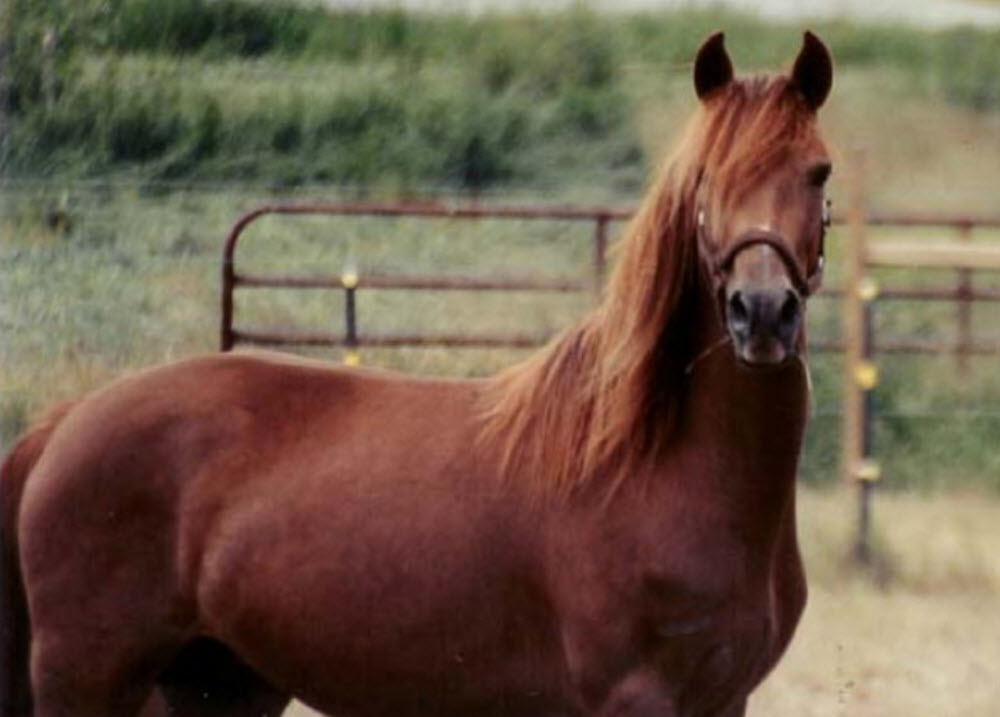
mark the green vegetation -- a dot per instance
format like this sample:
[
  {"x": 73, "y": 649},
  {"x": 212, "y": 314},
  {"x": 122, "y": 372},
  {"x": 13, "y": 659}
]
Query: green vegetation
[{"x": 405, "y": 99}]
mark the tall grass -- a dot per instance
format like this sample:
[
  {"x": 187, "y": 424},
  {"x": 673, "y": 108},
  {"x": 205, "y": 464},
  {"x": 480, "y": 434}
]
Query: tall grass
[{"x": 447, "y": 100}]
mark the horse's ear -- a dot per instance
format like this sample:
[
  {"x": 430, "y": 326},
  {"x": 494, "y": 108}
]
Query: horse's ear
[
  {"x": 812, "y": 73},
  {"x": 712, "y": 66}
]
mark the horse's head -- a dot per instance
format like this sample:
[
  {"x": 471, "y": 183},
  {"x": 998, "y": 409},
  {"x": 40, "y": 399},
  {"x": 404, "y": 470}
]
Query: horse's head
[{"x": 760, "y": 209}]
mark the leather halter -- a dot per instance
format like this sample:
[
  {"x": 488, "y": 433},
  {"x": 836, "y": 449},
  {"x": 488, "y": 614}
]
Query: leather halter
[{"x": 721, "y": 265}]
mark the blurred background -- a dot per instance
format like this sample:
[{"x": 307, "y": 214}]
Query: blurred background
[{"x": 135, "y": 132}]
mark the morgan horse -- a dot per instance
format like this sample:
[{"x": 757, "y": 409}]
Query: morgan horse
[{"x": 607, "y": 528}]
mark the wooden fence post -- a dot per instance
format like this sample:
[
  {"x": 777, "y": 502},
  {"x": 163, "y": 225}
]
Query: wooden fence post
[
  {"x": 860, "y": 371},
  {"x": 853, "y": 321},
  {"x": 866, "y": 470}
]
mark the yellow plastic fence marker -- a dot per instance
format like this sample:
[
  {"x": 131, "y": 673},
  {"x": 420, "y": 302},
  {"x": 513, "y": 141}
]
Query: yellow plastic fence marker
[
  {"x": 349, "y": 278},
  {"x": 868, "y": 471},
  {"x": 867, "y": 289},
  {"x": 866, "y": 374}
]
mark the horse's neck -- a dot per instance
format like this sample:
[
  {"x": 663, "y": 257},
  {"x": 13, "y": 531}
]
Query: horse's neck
[{"x": 748, "y": 422}]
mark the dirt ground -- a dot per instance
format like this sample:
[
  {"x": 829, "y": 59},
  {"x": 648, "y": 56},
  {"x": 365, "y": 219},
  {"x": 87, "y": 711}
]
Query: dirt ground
[{"x": 866, "y": 653}]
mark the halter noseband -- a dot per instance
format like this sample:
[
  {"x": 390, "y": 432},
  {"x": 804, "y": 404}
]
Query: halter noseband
[{"x": 721, "y": 265}]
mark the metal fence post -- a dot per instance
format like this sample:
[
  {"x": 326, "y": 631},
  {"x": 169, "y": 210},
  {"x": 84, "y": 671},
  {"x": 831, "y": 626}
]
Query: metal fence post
[
  {"x": 867, "y": 470},
  {"x": 349, "y": 279},
  {"x": 600, "y": 251},
  {"x": 226, "y": 320},
  {"x": 860, "y": 372},
  {"x": 963, "y": 298}
]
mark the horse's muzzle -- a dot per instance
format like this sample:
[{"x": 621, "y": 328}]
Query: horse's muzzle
[{"x": 763, "y": 323}]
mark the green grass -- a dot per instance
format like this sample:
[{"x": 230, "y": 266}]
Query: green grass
[{"x": 236, "y": 90}]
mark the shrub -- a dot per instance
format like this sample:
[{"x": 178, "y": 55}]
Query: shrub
[
  {"x": 353, "y": 113},
  {"x": 969, "y": 67},
  {"x": 590, "y": 111},
  {"x": 150, "y": 25},
  {"x": 206, "y": 129},
  {"x": 35, "y": 50},
  {"x": 230, "y": 26},
  {"x": 142, "y": 126},
  {"x": 547, "y": 54},
  {"x": 73, "y": 122}
]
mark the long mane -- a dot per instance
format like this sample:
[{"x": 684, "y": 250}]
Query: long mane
[{"x": 603, "y": 397}]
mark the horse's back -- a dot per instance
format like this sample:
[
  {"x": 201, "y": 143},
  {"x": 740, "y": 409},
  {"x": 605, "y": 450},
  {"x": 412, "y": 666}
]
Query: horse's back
[
  {"x": 180, "y": 417},
  {"x": 156, "y": 429}
]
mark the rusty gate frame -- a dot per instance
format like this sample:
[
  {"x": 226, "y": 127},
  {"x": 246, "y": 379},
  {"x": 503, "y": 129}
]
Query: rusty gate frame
[{"x": 231, "y": 280}]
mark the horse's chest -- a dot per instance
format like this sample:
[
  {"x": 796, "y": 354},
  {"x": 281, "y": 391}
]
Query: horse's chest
[
  {"x": 712, "y": 643},
  {"x": 713, "y": 657}
]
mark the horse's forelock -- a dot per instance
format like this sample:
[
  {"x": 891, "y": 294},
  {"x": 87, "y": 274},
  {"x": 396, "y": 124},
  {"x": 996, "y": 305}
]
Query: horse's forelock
[{"x": 750, "y": 130}]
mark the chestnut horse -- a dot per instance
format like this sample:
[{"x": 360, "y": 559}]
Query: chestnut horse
[{"x": 606, "y": 529}]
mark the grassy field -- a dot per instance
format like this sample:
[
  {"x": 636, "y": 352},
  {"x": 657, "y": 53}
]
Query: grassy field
[{"x": 920, "y": 637}]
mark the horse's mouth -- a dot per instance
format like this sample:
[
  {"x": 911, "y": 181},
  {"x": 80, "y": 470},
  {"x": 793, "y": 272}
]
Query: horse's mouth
[{"x": 763, "y": 355}]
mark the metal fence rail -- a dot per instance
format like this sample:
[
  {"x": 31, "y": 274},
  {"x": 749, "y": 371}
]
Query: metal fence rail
[
  {"x": 963, "y": 293},
  {"x": 600, "y": 217}
]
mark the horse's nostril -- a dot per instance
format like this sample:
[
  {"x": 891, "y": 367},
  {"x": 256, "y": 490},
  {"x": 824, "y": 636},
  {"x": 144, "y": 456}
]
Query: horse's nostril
[
  {"x": 790, "y": 307},
  {"x": 739, "y": 313}
]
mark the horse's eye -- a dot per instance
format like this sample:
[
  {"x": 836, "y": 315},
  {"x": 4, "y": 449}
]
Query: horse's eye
[{"x": 818, "y": 174}]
